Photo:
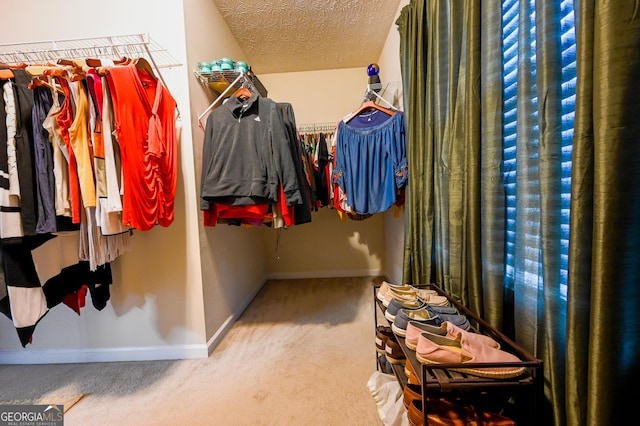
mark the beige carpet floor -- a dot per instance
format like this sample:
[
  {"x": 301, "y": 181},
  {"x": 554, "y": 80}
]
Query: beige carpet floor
[{"x": 301, "y": 354}]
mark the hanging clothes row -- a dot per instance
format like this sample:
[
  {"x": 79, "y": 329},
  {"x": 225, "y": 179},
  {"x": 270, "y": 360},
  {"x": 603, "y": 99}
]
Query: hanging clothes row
[
  {"x": 252, "y": 170},
  {"x": 318, "y": 161},
  {"x": 85, "y": 148}
]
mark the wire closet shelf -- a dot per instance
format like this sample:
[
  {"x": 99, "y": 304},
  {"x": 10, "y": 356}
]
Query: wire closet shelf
[
  {"x": 109, "y": 47},
  {"x": 103, "y": 48}
]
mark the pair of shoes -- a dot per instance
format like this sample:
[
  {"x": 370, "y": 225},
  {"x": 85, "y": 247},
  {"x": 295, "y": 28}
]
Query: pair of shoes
[
  {"x": 395, "y": 305},
  {"x": 411, "y": 392},
  {"x": 387, "y": 345},
  {"x": 440, "y": 411},
  {"x": 382, "y": 335},
  {"x": 426, "y": 315},
  {"x": 401, "y": 321},
  {"x": 447, "y": 329},
  {"x": 435, "y": 300},
  {"x": 436, "y": 349},
  {"x": 407, "y": 293},
  {"x": 385, "y": 286},
  {"x": 414, "y": 294},
  {"x": 412, "y": 377},
  {"x": 385, "y": 365},
  {"x": 394, "y": 352},
  {"x": 443, "y": 411}
]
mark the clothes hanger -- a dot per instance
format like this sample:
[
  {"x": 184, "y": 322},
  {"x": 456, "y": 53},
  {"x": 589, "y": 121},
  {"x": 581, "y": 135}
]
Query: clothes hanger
[
  {"x": 55, "y": 71},
  {"x": 367, "y": 106},
  {"x": 14, "y": 66},
  {"x": 6, "y": 74},
  {"x": 221, "y": 97},
  {"x": 243, "y": 93},
  {"x": 63, "y": 61},
  {"x": 73, "y": 65},
  {"x": 144, "y": 65},
  {"x": 93, "y": 62},
  {"x": 104, "y": 70},
  {"x": 42, "y": 70},
  {"x": 40, "y": 82},
  {"x": 373, "y": 92},
  {"x": 36, "y": 70}
]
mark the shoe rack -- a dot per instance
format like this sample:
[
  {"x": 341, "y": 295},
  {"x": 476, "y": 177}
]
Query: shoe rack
[{"x": 525, "y": 393}]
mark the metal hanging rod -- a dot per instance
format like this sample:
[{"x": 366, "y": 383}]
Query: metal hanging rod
[
  {"x": 109, "y": 47},
  {"x": 317, "y": 127}
]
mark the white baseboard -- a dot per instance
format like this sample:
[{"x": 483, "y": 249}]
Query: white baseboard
[
  {"x": 217, "y": 337},
  {"x": 221, "y": 332},
  {"x": 67, "y": 356},
  {"x": 325, "y": 274}
]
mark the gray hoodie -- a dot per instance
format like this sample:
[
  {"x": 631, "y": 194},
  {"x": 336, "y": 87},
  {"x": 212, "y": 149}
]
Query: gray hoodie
[{"x": 246, "y": 155}]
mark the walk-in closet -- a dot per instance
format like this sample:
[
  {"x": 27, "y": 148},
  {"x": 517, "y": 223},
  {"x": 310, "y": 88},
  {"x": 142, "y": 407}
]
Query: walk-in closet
[
  {"x": 179, "y": 288},
  {"x": 381, "y": 212}
]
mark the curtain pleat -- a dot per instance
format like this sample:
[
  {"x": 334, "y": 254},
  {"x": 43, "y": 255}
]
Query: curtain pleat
[
  {"x": 549, "y": 330},
  {"x": 471, "y": 136},
  {"x": 527, "y": 249},
  {"x": 581, "y": 233},
  {"x": 488, "y": 296},
  {"x": 412, "y": 27},
  {"x": 603, "y": 342}
]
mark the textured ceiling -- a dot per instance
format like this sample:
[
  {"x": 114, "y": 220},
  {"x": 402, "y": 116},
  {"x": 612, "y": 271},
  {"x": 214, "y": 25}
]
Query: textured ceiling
[{"x": 303, "y": 35}]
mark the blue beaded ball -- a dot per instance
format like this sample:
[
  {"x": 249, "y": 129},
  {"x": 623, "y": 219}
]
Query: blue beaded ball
[{"x": 373, "y": 69}]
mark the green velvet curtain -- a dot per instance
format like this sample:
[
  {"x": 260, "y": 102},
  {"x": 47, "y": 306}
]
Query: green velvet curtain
[
  {"x": 603, "y": 341},
  {"x": 419, "y": 196},
  {"x": 440, "y": 54},
  {"x": 450, "y": 53}
]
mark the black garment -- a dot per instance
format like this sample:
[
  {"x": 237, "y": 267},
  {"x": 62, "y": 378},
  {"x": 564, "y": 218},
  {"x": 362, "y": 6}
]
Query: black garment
[
  {"x": 73, "y": 277},
  {"x": 246, "y": 155},
  {"x": 301, "y": 212},
  {"x": 43, "y": 156},
  {"x": 4, "y": 185},
  {"x": 18, "y": 270},
  {"x": 320, "y": 174}
]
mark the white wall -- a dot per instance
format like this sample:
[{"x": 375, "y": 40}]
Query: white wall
[
  {"x": 390, "y": 72},
  {"x": 156, "y": 307},
  {"x": 328, "y": 246},
  {"x": 232, "y": 258}
]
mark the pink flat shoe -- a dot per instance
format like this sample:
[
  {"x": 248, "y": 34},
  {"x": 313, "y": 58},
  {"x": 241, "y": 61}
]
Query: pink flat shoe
[
  {"x": 446, "y": 329},
  {"x": 436, "y": 349}
]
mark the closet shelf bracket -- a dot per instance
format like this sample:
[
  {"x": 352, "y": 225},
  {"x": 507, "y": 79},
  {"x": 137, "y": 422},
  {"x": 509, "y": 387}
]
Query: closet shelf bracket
[{"x": 224, "y": 83}]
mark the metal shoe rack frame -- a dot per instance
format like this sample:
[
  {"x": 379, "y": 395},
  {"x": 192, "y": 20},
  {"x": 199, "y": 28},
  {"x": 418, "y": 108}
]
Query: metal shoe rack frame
[{"x": 438, "y": 380}]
